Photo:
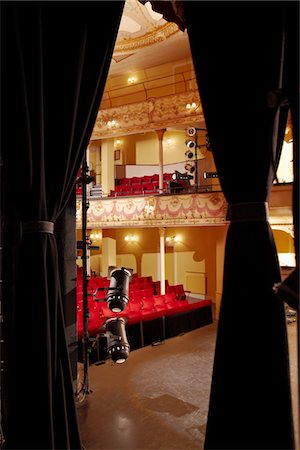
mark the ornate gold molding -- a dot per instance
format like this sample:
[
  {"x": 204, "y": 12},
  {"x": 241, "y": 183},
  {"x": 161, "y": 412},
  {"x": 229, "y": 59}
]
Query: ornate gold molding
[
  {"x": 158, "y": 211},
  {"x": 152, "y": 114},
  {"x": 157, "y": 35}
]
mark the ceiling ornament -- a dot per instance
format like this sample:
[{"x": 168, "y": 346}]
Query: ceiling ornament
[{"x": 153, "y": 37}]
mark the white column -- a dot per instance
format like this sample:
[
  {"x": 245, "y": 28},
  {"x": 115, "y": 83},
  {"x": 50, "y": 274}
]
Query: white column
[
  {"x": 160, "y": 134},
  {"x": 175, "y": 264},
  {"x": 162, "y": 260},
  {"x": 98, "y": 166},
  {"x": 107, "y": 166}
]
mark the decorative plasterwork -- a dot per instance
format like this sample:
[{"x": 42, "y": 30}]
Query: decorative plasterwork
[
  {"x": 152, "y": 114},
  {"x": 157, "y": 35},
  {"x": 183, "y": 210}
]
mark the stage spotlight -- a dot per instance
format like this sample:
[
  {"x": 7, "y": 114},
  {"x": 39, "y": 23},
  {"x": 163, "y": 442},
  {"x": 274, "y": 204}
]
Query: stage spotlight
[
  {"x": 190, "y": 144},
  {"x": 190, "y": 167},
  {"x": 189, "y": 154},
  {"x": 182, "y": 176},
  {"x": 117, "y": 297},
  {"x": 191, "y": 131},
  {"x": 118, "y": 347}
]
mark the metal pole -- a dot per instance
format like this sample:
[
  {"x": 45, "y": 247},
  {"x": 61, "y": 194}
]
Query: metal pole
[
  {"x": 85, "y": 338},
  {"x": 196, "y": 163}
]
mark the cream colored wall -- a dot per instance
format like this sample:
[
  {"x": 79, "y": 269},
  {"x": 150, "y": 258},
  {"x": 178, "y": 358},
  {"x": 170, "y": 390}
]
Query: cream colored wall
[
  {"x": 284, "y": 241},
  {"x": 198, "y": 252},
  {"x": 127, "y": 261},
  {"x": 169, "y": 268},
  {"x": 147, "y": 149},
  {"x": 149, "y": 265},
  {"x": 190, "y": 273},
  {"x": 174, "y": 151},
  {"x": 95, "y": 262},
  {"x": 108, "y": 255}
]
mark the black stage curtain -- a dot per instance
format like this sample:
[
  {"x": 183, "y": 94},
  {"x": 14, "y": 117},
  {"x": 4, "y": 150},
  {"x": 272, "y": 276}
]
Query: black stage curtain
[
  {"x": 55, "y": 60},
  {"x": 243, "y": 66}
]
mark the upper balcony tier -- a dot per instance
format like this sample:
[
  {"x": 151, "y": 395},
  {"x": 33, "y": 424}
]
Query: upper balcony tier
[{"x": 165, "y": 210}]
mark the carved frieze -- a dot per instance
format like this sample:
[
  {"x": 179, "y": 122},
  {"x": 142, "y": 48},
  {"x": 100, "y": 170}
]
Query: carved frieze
[
  {"x": 152, "y": 114},
  {"x": 165, "y": 210}
]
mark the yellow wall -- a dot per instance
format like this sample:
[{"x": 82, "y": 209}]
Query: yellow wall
[
  {"x": 147, "y": 149},
  {"x": 149, "y": 265},
  {"x": 174, "y": 151},
  {"x": 127, "y": 261},
  {"x": 196, "y": 252},
  {"x": 284, "y": 242}
]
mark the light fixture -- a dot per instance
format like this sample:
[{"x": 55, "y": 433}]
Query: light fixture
[
  {"x": 118, "y": 347},
  {"x": 95, "y": 235},
  {"x": 112, "y": 123},
  {"x": 190, "y": 143},
  {"x": 191, "y": 131},
  {"x": 189, "y": 154},
  {"x": 171, "y": 240},
  {"x": 190, "y": 167},
  {"x": 117, "y": 296},
  {"x": 191, "y": 106},
  {"x": 130, "y": 238},
  {"x": 131, "y": 80}
]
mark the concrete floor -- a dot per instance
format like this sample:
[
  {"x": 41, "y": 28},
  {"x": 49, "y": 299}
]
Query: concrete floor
[{"x": 159, "y": 398}]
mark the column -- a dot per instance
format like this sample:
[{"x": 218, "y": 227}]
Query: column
[
  {"x": 162, "y": 260},
  {"x": 160, "y": 134},
  {"x": 107, "y": 166},
  {"x": 98, "y": 166}
]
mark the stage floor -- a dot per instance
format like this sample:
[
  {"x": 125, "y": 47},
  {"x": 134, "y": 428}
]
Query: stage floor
[{"x": 159, "y": 398}]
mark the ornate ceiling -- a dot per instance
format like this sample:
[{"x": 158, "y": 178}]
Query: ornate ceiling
[{"x": 145, "y": 39}]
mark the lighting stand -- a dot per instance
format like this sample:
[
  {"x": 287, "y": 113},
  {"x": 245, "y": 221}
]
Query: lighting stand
[
  {"x": 86, "y": 179},
  {"x": 196, "y": 163}
]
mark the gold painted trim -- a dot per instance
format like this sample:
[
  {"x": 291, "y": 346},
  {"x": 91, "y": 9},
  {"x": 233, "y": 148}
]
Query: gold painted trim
[{"x": 158, "y": 35}]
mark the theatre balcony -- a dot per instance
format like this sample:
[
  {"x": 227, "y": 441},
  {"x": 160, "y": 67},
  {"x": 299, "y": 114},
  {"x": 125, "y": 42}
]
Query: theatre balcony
[{"x": 172, "y": 209}]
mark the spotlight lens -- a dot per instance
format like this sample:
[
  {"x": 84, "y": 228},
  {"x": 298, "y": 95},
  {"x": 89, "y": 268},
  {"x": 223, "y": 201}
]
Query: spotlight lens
[
  {"x": 116, "y": 310},
  {"x": 120, "y": 360}
]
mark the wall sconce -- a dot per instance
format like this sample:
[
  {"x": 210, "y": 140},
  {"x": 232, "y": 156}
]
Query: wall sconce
[
  {"x": 131, "y": 80},
  {"x": 171, "y": 240},
  {"x": 130, "y": 238},
  {"x": 95, "y": 235},
  {"x": 191, "y": 106},
  {"x": 112, "y": 123},
  {"x": 117, "y": 143}
]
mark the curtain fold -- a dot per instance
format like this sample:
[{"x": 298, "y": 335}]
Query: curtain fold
[
  {"x": 55, "y": 60},
  {"x": 240, "y": 53}
]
